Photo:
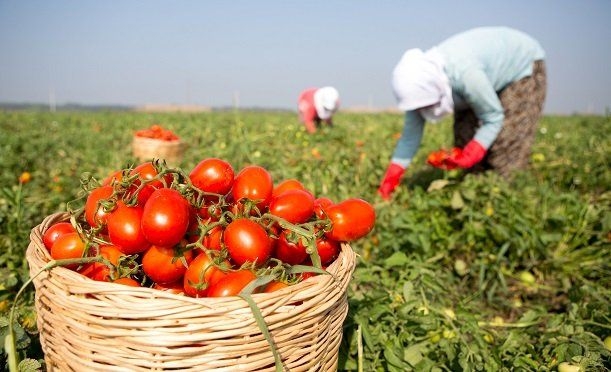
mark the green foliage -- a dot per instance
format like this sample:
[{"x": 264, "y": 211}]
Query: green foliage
[{"x": 462, "y": 271}]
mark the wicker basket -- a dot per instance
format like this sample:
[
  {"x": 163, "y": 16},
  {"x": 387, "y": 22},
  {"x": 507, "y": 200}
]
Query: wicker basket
[
  {"x": 89, "y": 325},
  {"x": 146, "y": 149}
]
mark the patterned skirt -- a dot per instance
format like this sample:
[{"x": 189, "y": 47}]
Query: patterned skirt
[{"x": 522, "y": 102}]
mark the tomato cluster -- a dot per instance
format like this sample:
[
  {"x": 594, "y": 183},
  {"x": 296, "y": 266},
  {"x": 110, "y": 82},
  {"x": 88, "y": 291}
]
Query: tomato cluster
[
  {"x": 156, "y": 131},
  {"x": 438, "y": 159},
  {"x": 207, "y": 233}
]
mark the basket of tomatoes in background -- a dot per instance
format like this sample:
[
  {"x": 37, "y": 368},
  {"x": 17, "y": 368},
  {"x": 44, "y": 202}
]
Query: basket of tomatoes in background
[
  {"x": 157, "y": 269},
  {"x": 157, "y": 142}
]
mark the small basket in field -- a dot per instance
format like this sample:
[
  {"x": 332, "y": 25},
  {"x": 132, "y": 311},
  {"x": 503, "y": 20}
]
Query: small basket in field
[
  {"x": 145, "y": 149},
  {"x": 99, "y": 326}
]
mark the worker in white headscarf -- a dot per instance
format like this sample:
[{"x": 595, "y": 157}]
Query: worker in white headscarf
[
  {"x": 317, "y": 105},
  {"x": 491, "y": 79}
]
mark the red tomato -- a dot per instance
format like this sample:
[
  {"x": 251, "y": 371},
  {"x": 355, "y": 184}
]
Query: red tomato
[
  {"x": 98, "y": 270},
  {"x": 114, "y": 176},
  {"x": 69, "y": 245},
  {"x": 147, "y": 172},
  {"x": 214, "y": 238},
  {"x": 231, "y": 284},
  {"x": 436, "y": 158},
  {"x": 287, "y": 251},
  {"x": 164, "y": 264},
  {"x": 128, "y": 281},
  {"x": 254, "y": 183},
  {"x": 320, "y": 205},
  {"x": 274, "y": 285},
  {"x": 94, "y": 211},
  {"x": 328, "y": 250},
  {"x": 247, "y": 241},
  {"x": 165, "y": 217},
  {"x": 295, "y": 206},
  {"x": 351, "y": 219},
  {"x": 176, "y": 287},
  {"x": 125, "y": 229},
  {"x": 213, "y": 175},
  {"x": 200, "y": 274},
  {"x": 55, "y": 231},
  {"x": 286, "y": 185}
]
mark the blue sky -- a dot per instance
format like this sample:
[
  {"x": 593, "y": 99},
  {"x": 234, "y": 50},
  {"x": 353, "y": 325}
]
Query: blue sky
[{"x": 265, "y": 52}]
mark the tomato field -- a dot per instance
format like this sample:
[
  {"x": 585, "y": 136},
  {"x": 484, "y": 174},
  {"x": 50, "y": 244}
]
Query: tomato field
[{"x": 461, "y": 271}]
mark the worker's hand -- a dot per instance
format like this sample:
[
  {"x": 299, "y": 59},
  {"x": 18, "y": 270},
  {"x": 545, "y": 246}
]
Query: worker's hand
[
  {"x": 470, "y": 155},
  {"x": 391, "y": 180}
]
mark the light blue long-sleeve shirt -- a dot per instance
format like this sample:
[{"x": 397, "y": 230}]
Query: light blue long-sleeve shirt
[{"x": 479, "y": 63}]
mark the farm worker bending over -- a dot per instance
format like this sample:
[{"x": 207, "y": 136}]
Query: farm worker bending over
[
  {"x": 492, "y": 79},
  {"x": 316, "y": 105}
]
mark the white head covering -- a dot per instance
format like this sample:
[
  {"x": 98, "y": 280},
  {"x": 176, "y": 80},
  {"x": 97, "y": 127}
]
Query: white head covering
[
  {"x": 419, "y": 81},
  {"x": 326, "y": 102}
]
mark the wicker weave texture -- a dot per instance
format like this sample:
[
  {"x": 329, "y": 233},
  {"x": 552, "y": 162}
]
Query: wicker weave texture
[
  {"x": 146, "y": 149},
  {"x": 98, "y": 326}
]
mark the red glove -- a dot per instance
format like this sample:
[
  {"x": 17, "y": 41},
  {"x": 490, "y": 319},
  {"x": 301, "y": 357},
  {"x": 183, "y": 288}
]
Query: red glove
[
  {"x": 470, "y": 155},
  {"x": 391, "y": 180}
]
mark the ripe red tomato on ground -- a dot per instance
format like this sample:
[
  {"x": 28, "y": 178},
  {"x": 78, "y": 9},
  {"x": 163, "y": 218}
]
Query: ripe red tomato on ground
[
  {"x": 213, "y": 175},
  {"x": 55, "y": 231},
  {"x": 289, "y": 249},
  {"x": 231, "y": 284},
  {"x": 165, "y": 217},
  {"x": 247, "y": 241},
  {"x": 351, "y": 219},
  {"x": 200, "y": 274},
  {"x": 125, "y": 229},
  {"x": 98, "y": 270},
  {"x": 295, "y": 206},
  {"x": 66, "y": 246},
  {"x": 95, "y": 215},
  {"x": 165, "y": 264},
  {"x": 255, "y": 183}
]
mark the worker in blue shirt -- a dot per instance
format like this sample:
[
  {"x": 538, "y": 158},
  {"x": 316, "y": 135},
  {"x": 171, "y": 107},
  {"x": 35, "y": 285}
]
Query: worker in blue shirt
[{"x": 492, "y": 79}]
